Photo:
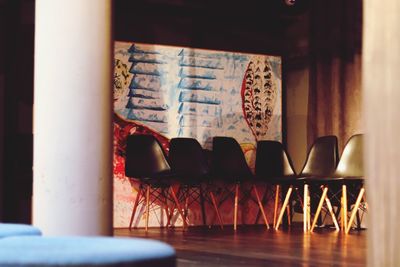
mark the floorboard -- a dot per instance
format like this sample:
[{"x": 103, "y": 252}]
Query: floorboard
[{"x": 257, "y": 246}]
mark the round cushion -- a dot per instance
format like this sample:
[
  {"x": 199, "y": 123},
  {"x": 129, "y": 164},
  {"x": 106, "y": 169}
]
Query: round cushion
[
  {"x": 84, "y": 251},
  {"x": 13, "y": 229}
]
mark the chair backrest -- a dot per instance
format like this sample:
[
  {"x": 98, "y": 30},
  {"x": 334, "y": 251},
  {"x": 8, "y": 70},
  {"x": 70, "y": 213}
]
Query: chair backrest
[
  {"x": 228, "y": 161},
  {"x": 187, "y": 157},
  {"x": 322, "y": 158},
  {"x": 144, "y": 157},
  {"x": 272, "y": 161},
  {"x": 351, "y": 161}
]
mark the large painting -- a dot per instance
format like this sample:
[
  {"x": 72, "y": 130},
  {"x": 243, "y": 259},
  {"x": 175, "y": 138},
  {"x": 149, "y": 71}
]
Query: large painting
[{"x": 185, "y": 92}]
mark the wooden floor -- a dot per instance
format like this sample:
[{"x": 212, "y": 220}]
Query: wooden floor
[{"x": 256, "y": 246}]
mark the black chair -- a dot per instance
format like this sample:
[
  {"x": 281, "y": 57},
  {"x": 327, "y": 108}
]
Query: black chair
[
  {"x": 274, "y": 167},
  {"x": 349, "y": 172},
  {"x": 351, "y": 168},
  {"x": 190, "y": 164},
  {"x": 321, "y": 161},
  {"x": 146, "y": 162},
  {"x": 230, "y": 166},
  {"x": 322, "y": 157}
]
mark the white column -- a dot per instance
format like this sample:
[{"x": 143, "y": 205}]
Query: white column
[
  {"x": 381, "y": 84},
  {"x": 72, "y": 117}
]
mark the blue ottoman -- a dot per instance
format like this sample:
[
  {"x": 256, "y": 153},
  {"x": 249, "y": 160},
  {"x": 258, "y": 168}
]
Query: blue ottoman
[
  {"x": 84, "y": 251},
  {"x": 12, "y": 229}
]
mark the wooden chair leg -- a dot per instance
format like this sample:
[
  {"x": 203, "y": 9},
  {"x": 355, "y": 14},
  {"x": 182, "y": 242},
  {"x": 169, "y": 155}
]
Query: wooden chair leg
[
  {"x": 261, "y": 206},
  {"x": 186, "y": 208},
  {"x": 216, "y": 209},
  {"x": 306, "y": 207},
  {"x": 170, "y": 214},
  {"x": 178, "y": 206},
  {"x": 328, "y": 203},
  {"x": 321, "y": 202},
  {"x": 166, "y": 207},
  {"x": 288, "y": 214},
  {"x": 344, "y": 207},
  {"x": 355, "y": 208},
  {"x": 147, "y": 207},
  {"x": 135, "y": 205},
  {"x": 309, "y": 211},
  {"x": 235, "y": 215},
  {"x": 276, "y": 203},
  {"x": 283, "y": 208},
  {"x": 264, "y": 198}
]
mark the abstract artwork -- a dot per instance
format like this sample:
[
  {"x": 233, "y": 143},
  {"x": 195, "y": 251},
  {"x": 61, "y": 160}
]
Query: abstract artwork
[{"x": 171, "y": 91}]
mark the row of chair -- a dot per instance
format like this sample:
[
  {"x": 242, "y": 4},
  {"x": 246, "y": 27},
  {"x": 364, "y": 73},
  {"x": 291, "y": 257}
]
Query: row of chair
[
  {"x": 198, "y": 171},
  {"x": 338, "y": 187}
]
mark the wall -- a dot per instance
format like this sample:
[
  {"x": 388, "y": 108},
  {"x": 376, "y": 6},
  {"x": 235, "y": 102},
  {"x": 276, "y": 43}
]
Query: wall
[
  {"x": 296, "y": 116},
  {"x": 296, "y": 84}
]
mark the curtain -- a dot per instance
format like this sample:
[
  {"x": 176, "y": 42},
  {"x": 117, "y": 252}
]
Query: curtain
[{"x": 335, "y": 95}]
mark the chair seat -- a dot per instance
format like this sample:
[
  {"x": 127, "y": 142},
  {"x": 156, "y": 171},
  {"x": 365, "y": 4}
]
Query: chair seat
[
  {"x": 353, "y": 179},
  {"x": 84, "y": 251},
  {"x": 162, "y": 179},
  {"x": 11, "y": 229}
]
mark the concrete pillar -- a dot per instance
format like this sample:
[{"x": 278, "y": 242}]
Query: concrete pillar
[
  {"x": 381, "y": 84},
  {"x": 73, "y": 117}
]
